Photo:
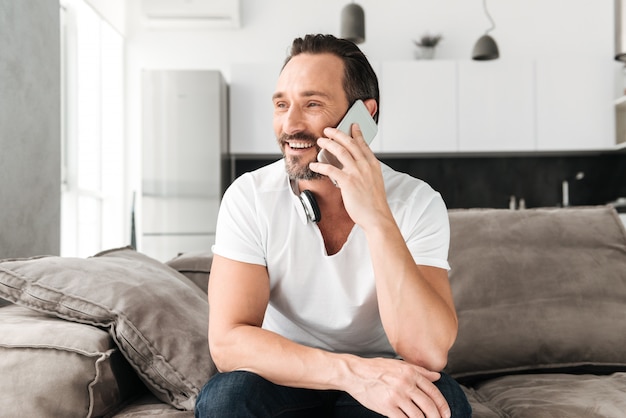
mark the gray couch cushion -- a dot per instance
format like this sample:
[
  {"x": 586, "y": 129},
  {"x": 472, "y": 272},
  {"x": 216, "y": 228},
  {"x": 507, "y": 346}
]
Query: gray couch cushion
[
  {"x": 156, "y": 316},
  {"x": 56, "y": 368},
  {"x": 149, "y": 406},
  {"x": 195, "y": 265},
  {"x": 537, "y": 289},
  {"x": 551, "y": 395}
]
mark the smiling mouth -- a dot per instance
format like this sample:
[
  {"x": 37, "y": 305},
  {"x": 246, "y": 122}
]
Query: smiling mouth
[{"x": 300, "y": 144}]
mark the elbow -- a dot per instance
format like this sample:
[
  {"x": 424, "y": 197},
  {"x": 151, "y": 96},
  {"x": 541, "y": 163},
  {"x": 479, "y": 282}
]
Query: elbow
[
  {"x": 431, "y": 358},
  {"x": 219, "y": 354},
  {"x": 437, "y": 361},
  {"x": 430, "y": 352},
  {"x": 217, "y": 359}
]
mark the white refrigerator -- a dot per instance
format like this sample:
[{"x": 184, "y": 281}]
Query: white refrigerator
[{"x": 185, "y": 162}]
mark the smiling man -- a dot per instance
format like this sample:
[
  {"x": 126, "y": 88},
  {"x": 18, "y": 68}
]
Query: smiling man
[{"x": 350, "y": 316}]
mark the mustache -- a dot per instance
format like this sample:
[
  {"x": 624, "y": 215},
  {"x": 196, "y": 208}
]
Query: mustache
[{"x": 305, "y": 136}]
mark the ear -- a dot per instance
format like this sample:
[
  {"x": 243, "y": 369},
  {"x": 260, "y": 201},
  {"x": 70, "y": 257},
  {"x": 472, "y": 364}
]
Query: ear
[{"x": 372, "y": 106}]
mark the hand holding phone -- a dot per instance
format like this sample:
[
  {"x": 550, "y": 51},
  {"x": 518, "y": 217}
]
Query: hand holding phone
[{"x": 358, "y": 114}]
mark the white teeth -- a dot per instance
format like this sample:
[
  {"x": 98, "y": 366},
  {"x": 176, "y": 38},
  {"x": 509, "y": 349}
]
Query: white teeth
[{"x": 300, "y": 145}]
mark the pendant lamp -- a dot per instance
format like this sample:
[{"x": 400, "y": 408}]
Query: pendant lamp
[
  {"x": 353, "y": 23},
  {"x": 486, "y": 48}
]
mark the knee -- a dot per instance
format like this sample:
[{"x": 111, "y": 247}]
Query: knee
[
  {"x": 227, "y": 394},
  {"x": 204, "y": 405},
  {"x": 452, "y": 391}
]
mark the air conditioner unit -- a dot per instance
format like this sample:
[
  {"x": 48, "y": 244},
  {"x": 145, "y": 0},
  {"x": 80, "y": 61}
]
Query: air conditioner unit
[{"x": 204, "y": 13}]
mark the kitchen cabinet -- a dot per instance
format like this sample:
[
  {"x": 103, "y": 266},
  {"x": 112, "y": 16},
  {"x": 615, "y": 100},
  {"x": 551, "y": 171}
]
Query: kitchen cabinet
[
  {"x": 184, "y": 160},
  {"x": 620, "y": 105},
  {"x": 418, "y": 107},
  {"x": 451, "y": 106},
  {"x": 575, "y": 105},
  {"x": 496, "y": 106},
  {"x": 448, "y": 106}
]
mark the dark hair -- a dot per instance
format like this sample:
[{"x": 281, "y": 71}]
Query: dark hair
[{"x": 360, "y": 81}]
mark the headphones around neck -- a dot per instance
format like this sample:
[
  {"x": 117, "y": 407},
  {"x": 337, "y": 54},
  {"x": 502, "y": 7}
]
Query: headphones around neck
[
  {"x": 311, "y": 208},
  {"x": 308, "y": 209}
]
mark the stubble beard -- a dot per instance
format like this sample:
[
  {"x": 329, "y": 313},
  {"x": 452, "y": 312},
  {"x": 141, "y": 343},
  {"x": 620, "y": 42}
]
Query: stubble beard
[{"x": 297, "y": 168}]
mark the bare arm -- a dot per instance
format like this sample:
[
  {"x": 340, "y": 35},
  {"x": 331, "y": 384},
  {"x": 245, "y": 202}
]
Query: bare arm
[
  {"x": 238, "y": 297},
  {"x": 415, "y": 302}
]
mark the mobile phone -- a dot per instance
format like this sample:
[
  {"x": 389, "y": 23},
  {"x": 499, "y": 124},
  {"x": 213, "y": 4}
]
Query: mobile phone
[{"x": 359, "y": 114}]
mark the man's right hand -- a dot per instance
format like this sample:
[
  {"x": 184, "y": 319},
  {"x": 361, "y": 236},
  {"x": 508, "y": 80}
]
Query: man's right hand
[{"x": 395, "y": 388}]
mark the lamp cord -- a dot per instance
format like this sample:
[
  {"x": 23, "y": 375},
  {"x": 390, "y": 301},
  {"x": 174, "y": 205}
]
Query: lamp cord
[{"x": 493, "y": 24}]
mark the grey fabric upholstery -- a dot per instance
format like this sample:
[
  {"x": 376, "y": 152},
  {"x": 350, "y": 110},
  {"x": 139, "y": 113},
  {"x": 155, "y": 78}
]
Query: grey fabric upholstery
[
  {"x": 540, "y": 295},
  {"x": 540, "y": 291},
  {"x": 156, "y": 316},
  {"x": 195, "y": 265}
]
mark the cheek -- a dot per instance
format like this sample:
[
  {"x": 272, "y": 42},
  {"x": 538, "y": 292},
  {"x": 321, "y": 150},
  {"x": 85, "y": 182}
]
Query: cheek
[
  {"x": 278, "y": 122},
  {"x": 317, "y": 123},
  {"x": 277, "y": 125}
]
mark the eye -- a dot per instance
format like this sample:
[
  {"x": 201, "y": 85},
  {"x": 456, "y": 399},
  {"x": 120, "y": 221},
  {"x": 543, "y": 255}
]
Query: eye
[{"x": 280, "y": 105}]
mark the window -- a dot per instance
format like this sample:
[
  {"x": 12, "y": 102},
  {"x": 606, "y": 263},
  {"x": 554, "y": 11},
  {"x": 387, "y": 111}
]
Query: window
[{"x": 94, "y": 214}]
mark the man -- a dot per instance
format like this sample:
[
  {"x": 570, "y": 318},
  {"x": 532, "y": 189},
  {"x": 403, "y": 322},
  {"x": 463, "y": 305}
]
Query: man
[{"x": 351, "y": 316}]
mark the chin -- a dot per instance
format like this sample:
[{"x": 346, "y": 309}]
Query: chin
[{"x": 297, "y": 169}]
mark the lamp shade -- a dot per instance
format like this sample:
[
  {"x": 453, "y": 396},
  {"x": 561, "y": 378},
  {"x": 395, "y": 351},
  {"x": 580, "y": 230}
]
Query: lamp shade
[
  {"x": 485, "y": 49},
  {"x": 353, "y": 23}
]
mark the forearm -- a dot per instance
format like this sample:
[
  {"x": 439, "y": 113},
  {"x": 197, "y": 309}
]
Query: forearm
[
  {"x": 383, "y": 385},
  {"x": 278, "y": 359},
  {"x": 416, "y": 311}
]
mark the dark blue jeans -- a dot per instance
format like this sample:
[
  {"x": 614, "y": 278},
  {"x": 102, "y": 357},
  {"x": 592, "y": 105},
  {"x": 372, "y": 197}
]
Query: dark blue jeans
[{"x": 245, "y": 394}]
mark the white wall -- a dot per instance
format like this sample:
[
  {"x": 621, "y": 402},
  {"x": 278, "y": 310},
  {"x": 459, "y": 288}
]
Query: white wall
[
  {"x": 113, "y": 11},
  {"x": 572, "y": 29}
]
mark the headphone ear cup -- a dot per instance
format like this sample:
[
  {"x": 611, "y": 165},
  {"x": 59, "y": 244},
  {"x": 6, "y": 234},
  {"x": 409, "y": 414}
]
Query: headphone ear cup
[{"x": 310, "y": 206}]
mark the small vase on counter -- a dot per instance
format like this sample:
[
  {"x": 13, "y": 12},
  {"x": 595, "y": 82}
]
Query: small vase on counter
[
  {"x": 426, "y": 46},
  {"x": 425, "y": 53}
]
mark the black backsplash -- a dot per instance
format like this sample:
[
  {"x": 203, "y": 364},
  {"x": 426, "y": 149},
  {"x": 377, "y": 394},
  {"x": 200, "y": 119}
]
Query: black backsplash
[{"x": 490, "y": 181}]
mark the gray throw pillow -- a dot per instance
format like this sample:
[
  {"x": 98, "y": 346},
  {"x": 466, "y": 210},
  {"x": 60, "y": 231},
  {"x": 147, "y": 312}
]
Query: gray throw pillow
[
  {"x": 195, "y": 265},
  {"x": 56, "y": 368},
  {"x": 155, "y": 315},
  {"x": 541, "y": 289}
]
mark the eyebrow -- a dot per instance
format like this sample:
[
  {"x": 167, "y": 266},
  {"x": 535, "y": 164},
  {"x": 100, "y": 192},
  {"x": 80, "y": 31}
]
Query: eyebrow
[{"x": 307, "y": 93}]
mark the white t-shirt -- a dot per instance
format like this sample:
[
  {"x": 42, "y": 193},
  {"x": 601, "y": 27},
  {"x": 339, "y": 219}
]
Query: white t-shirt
[{"x": 318, "y": 300}]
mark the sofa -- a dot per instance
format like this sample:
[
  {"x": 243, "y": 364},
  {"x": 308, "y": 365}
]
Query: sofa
[{"x": 540, "y": 295}]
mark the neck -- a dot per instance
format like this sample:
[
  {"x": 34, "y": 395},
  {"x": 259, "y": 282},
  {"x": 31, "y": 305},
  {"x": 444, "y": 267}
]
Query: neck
[
  {"x": 323, "y": 189},
  {"x": 335, "y": 224},
  {"x": 328, "y": 198}
]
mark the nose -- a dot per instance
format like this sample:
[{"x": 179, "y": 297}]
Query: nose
[{"x": 293, "y": 121}]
